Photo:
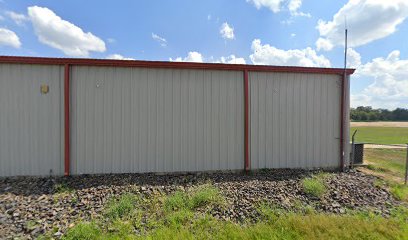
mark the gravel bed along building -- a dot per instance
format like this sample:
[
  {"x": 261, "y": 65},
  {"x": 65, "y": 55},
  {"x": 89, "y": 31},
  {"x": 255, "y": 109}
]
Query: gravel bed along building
[{"x": 32, "y": 206}]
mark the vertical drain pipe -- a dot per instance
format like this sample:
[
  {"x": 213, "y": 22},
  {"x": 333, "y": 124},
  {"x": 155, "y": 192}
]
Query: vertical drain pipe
[
  {"x": 66, "y": 120},
  {"x": 246, "y": 122},
  {"x": 342, "y": 125}
]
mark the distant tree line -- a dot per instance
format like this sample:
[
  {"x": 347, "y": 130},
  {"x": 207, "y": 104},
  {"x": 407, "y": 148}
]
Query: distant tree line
[{"x": 369, "y": 114}]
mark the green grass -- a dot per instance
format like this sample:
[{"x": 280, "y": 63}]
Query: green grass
[
  {"x": 180, "y": 216},
  {"x": 315, "y": 185},
  {"x": 284, "y": 225},
  {"x": 62, "y": 188},
  {"x": 390, "y": 161},
  {"x": 176, "y": 201},
  {"x": 198, "y": 197},
  {"x": 381, "y": 135},
  {"x": 400, "y": 192},
  {"x": 85, "y": 231},
  {"x": 205, "y": 195},
  {"x": 121, "y": 207}
]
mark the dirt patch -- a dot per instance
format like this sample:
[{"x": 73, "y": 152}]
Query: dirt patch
[
  {"x": 394, "y": 146},
  {"x": 379, "y": 124}
]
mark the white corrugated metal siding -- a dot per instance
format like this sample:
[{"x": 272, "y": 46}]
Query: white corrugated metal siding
[
  {"x": 295, "y": 120},
  {"x": 30, "y": 122},
  {"x": 132, "y": 119},
  {"x": 156, "y": 120}
]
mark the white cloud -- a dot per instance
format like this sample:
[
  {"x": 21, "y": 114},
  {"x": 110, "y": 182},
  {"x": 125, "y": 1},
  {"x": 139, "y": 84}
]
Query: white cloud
[
  {"x": 118, "y": 57},
  {"x": 198, "y": 57},
  {"x": 9, "y": 38},
  {"x": 273, "y": 5},
  {"x": 367, "y": 20},
  {"x": 191, "y": 57},
  {"x": 160, "y": 40},
  {"x": 324, "y": 44},
  {"x": 18, "y": 18},
  {"x": 353, "y": 58},
  {"x": 269, "y": 55},
  {"x": 390, "y": 82},
  {"x": 278, "y": 5},
  {"x": 111, "y": 40},
  {"x": 293, "y": 34},
  {"x": 226, "y": 31},
  {"x": 63, "y": 35},
  {"x": 294, "y": 6},
  {"x": 231, "y": 59},
  {"x": 209, "y": 17}
]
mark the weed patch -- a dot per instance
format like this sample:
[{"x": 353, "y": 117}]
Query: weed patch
[
  {"x": 198, "y": 197},
  {"x": 314, "y": 186},
  {"x": 122, "y": 207},
  {"x": 179, "y": 218},
  {"x": 205, "y": 195},
  {"x": 85, "y": 231},
  {"x": 176, "y": 201},
  {"x": 400, "y": 192},
  {"x": 62, "y": 188}
]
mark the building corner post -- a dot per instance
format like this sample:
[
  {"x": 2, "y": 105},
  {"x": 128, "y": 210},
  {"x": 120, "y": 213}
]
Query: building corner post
[{"x": 344, "y": 122}]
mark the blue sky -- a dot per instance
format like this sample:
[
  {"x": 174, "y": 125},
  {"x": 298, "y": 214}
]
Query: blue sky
[{"x": 271, "y": 32}]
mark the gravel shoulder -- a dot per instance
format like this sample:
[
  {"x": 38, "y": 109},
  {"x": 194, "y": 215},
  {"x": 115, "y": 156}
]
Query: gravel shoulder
[
  {"x": 32, "y": 206},
  {"x": 395, "y": 146},
  {"x": 379, "y": 124}
]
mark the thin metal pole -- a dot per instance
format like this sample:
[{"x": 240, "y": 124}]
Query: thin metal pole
[
  {"x": 342, "y": 99},
  {"x": 353, "y": 150},
  {"x": 345, "y": 51},
  {"x": 406, "y": 167}
]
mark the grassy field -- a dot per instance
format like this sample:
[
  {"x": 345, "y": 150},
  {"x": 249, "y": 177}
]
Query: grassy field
[
  {"x": 381, "y": 135},
  {"x": 390, "y": 161},
  {"x": 389, "y": 165},
  {"x": 181, "y": 216}
]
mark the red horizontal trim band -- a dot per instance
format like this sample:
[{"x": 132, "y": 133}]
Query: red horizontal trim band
[{"x": 159, "y": 64}]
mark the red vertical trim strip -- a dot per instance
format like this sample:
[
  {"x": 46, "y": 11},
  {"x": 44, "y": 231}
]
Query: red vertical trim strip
[
  {"x": 246, "y": 114},
  {"x": 66, "y": 120},
  {"x": 342, "y": 99}
]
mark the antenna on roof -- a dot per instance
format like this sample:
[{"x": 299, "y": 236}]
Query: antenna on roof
[
  {"x": 345, "y": 44},
  {"x": 343, "y": 95}
]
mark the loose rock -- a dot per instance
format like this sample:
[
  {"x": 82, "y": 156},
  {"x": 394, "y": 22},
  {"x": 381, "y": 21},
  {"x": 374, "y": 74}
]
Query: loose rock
[{"x": 32, "y": 206}]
